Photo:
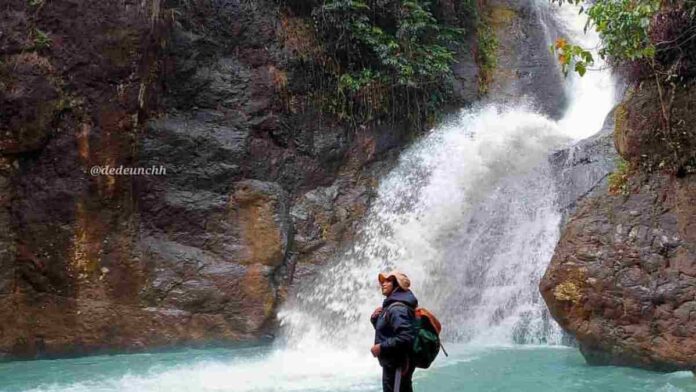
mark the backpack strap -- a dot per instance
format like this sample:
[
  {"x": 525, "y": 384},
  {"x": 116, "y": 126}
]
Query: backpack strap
[
  {"x": 399, "y": 304},
  {"x": 397, "y": 380}
]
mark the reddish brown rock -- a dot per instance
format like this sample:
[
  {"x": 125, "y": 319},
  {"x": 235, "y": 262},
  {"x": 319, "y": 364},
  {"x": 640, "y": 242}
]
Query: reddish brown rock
[
  {"x": 622, "y": 280},
  {"x": 640, "y": 134},
  {"x": 260, "y": 213}
]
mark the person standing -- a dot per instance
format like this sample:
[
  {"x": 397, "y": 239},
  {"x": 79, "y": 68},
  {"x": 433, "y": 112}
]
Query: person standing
[{"x": 395, "y": 331}]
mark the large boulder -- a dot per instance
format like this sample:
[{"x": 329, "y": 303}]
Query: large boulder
[
  {"x": 622, "y": 280},
  {"x": 623, "y": 276}
]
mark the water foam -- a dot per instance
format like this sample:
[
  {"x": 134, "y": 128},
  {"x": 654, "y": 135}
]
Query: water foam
[{"x": 468, "y": 213}]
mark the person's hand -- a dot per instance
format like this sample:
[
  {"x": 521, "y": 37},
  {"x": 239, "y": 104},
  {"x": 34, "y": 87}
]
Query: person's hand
[
  {"x": 375, "y": 350},
  {"x": 376, "y": 312}
]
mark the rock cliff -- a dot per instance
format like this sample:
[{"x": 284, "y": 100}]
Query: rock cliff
[
  {"x": 261, "y": 185},
  {"x": 622, "y": 280}
]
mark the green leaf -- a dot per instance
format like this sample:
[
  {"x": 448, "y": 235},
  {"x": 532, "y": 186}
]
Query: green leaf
[{"x": 580, "y": 68}]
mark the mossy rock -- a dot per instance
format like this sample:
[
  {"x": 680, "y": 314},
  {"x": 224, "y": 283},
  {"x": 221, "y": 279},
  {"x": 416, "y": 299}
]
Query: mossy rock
[
  {"x": 620, "y": 121},
  {"x": 567, "y": 291},
  {"x": 501, "y": 17}
]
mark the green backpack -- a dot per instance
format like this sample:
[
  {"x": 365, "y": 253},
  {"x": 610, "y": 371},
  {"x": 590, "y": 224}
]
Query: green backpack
[{"x": 427, "y": 343}]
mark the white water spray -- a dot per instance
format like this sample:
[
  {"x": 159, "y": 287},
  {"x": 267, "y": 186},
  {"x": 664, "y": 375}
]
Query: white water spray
[{"x": 469, "y": 214}]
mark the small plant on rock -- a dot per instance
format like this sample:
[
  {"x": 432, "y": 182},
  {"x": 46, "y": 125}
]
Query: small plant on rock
[
  {"x": 41, "y": 40},
  {"x": 618, "y": 180},
  {"x": 486, "y": 55}
]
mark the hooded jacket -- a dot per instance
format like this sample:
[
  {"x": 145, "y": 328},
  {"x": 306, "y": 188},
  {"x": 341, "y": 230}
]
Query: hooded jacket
[{"x": 395, "y": 328}]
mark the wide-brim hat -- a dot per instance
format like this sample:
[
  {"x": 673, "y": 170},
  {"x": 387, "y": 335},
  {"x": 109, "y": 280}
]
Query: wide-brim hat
[{"x": 401, "y": 278}]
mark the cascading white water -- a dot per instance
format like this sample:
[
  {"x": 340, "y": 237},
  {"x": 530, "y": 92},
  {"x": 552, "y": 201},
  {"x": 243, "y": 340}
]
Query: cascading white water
[
  {"x": 592, "y": 95},
  {"x": 469, "y": 214}
]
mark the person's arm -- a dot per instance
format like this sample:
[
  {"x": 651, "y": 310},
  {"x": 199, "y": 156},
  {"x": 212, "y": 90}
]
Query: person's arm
[
  {"x": 402, "y": 325},
  {"x": 375, "y": 316}
]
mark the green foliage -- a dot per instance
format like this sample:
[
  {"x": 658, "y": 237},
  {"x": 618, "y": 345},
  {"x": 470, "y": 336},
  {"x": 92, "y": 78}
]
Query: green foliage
[
  {"x": 622, "y": 25},
  {"x": 41, "y": 40},
  {"x": 486, "y": 56},
  {"x": 35, "y": 3},
  {"x": 352, "y": 83},
  {"x": 572, "y": 56},
  {"x": 618, "y": 180},
  {"x": 410, "y": 49},
  {"x": 395, "y": 47}
]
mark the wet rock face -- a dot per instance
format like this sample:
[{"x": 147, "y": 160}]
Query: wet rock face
[
  {"x": 622, "y": 280},
  {"x": 72, "y": 96},
  {"x": 581, "y": 170},
  {"x": 7, "y": 251},
  {"x": 525, "y": 68},
  {"x": 260, "y": 188},
  {"x": 225, "y": 264},
  {"x": 26, "y": 126}
]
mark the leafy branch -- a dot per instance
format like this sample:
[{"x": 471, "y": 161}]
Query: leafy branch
[
  {"x": 621, "y": 24},
  {"x": 572, "y": 56}
]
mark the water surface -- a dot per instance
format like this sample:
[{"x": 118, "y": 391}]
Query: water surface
[{"x": 262, "y": 369}]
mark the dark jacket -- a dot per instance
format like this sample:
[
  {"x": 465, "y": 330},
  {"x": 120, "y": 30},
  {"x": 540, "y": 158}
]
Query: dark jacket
[{"x": 395, "y": 328}]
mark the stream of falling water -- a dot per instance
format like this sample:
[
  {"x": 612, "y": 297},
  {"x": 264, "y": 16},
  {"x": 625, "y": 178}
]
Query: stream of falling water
[{"x": 469, "y": 214}]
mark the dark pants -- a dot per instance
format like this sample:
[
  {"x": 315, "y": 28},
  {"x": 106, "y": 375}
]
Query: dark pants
[{"x": 389, "y": 377}]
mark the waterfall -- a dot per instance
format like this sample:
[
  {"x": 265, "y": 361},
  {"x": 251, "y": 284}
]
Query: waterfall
[{"x": 470, "y": 214}]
